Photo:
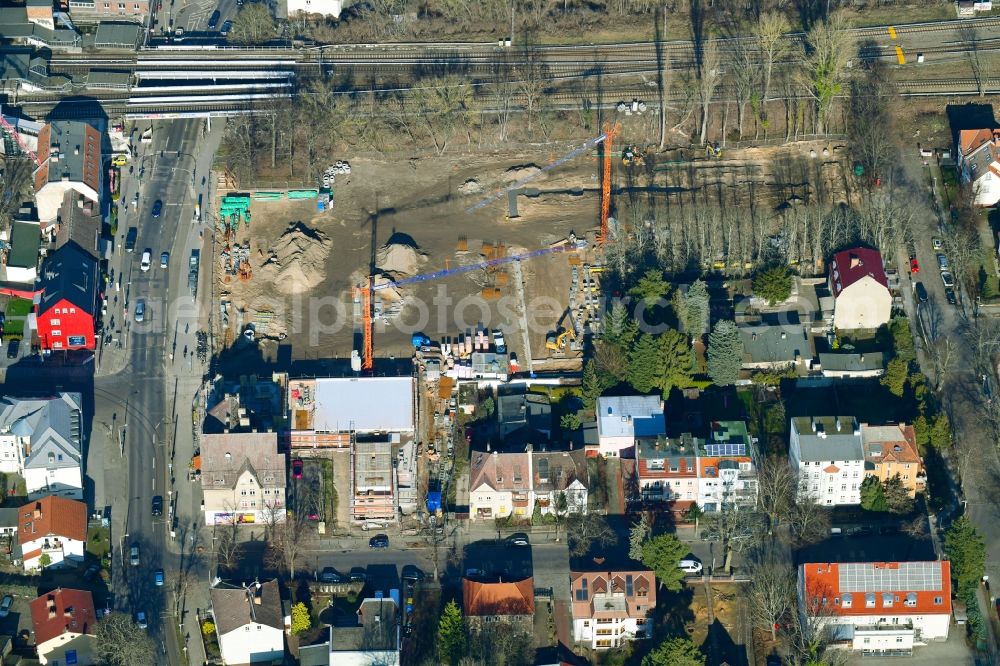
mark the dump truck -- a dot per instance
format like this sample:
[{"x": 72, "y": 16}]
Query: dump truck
[{"x": 193, "y": 272}]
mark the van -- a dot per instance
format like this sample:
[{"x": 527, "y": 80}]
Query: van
[
  {"x": 130, "y": 238},
  {"x": 214, "y": 19}
]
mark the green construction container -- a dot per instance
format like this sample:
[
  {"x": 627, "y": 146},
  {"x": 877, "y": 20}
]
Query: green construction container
[{"x": 303, "y": 194}]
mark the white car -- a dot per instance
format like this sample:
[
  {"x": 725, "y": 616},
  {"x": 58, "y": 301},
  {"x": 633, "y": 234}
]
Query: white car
[
  {"x": 147, "y": 258},
  {"x": 947, "y": 279},
  {"x": 690, "y": 566},
  {"x": 937, "y": 243}
]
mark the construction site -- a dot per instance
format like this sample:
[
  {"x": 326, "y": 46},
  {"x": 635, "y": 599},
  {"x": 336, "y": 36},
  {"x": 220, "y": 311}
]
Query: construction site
[{"x": 444, "y": 246}]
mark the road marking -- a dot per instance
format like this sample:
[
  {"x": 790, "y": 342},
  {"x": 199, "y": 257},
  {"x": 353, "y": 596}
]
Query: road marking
[
  {"x": 900, "y": 57},
  {"x": 892, "y": 32}
]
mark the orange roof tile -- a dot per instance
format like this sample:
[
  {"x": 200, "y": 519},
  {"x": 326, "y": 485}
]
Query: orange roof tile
[
  {"x": 487, "y": 599},
  {"x": 53, "y": 515},
  {"x": 60, "y": 611}
]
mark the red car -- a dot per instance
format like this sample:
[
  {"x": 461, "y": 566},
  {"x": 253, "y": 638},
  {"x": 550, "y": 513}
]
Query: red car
[
  {"x": 297, "y": 468},
  {"x": 914, "y": 266}
]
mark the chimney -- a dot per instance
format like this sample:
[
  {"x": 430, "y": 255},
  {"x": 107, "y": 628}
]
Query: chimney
[
  {"x": 76, "y": 151},
  {"x": 821, "y": 434}
]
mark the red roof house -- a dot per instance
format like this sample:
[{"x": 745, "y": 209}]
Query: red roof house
[
  {"x": 860, "y": 289},
  {"x": 64, "y": 621}
]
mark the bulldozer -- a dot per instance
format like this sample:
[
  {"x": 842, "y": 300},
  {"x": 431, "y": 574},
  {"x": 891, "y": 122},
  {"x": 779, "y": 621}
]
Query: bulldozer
[{"x": 557, "y": 340}]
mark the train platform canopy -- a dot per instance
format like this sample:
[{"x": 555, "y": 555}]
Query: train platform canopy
[
  {"x": 108, "y": 80},
  {"x": 118, "y": 35}
]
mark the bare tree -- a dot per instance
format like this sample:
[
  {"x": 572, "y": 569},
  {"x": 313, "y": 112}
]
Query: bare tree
[
  {"x": 709, "y": 76},
  {"x": 770, "y": 591},
  {"x": 809, "y": 522},
  {"x": 744, "y": 72},
  {"x": 532, "y": 76},
  {"x": 502, "y": 91},
  {"x": 443, "y": 104},
  {"x": 738, "y": 530},
  {"x": 776, "y": 487},
  {"x": 226, "y": 543},
  {"x": 14, "y": 180},
  {"x": 943, "y": 353},
  {"x": 120, "y": 642},
  {"x": 285, "y": 533},
  {"x": 583, "y": 531},
  {"x": 769, "y": 34},
  {"x": 829, "y": 47}
]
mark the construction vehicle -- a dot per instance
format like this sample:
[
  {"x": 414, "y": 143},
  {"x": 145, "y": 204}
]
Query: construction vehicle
[
  {"x": 632, "y": 156},
  {"x": 556, "y": 341}
]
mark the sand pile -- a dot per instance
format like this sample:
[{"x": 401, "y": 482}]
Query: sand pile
[
  {"x": 516, "y": 173},
  {"x": 400, "y": 256},
  {"x": 297, "y": 262}
]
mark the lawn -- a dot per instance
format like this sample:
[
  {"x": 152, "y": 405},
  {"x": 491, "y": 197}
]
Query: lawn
[
  {"x": 18, "y": 307},
  {"x": 98, "y": 541},
  {"x": 13, "y": 328}
]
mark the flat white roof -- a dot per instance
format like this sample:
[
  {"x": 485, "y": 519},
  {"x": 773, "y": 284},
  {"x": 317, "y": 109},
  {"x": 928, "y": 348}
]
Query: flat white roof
[{"x": 364, "y": 404}]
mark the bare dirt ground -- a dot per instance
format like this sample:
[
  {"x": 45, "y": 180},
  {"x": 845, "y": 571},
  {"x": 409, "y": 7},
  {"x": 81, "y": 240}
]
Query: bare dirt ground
[{"x": 306, "y": 264}]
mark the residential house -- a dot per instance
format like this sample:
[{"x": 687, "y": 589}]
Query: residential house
[
  {"x": 375, "y": 641},
  {"x": 891, "y": 450},
  {"x": 667, "y": 470},
  {"x": 623, "y": 419},
  {"x": 518, "y": 408},
  {"x": 978, "y": 162},
  {"x": 69, "y": 152},
  {"x": 324, "y": 412},
  {"x": 243, "y": 478},
  {"x": 92, "y": 11},
  {"x": 504, "y": 484},
  {"x": 847, "y": 366},
  {"x": 827, "y": 454},
  {"x": 509, "y": 602},
  {"x": 249, "y": 622},
  {"x": 52, "y": 532},
  {"x": 612, "y": 607},
  {"x": 252, "y": 404},
  {"x": 331, "y": 8},
  {"x": 860, "y": 289},
  {"x": 374, "y": 487},
  {"x": 41, "y": 440},
  {"x": 64, "y": 621},
  {"x": 65, "y": 313},
  {"x": 727, "y": 469},
  {"x": 22, "y": 257},
  {"x": 775, "y": 347},
  {"x": 880, "y": 609}
]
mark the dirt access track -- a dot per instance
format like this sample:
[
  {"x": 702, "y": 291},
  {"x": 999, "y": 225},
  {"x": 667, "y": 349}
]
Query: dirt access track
[{"x": 306, "y": 264}]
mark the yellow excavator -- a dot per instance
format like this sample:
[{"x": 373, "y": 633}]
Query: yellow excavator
[{"x": 557, "y": 340}]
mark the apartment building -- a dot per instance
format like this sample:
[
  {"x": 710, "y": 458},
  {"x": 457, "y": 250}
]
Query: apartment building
[
  {"x": 827, "y": 454},
  {"x": 243, "y": 478},
  {"x": 891, "y": 450},
  {"x": 667, "y": 470},
  {"x": 612, "y": 607},
  {"x": 727, "y": 471}
]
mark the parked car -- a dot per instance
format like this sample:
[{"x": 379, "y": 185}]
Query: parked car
[
  {"x": 329, "y": 575},
  {"x": 370, "y": 525},
  {"x": 947, "y": 279},
  {"x": 358, "y": 575},
  {"x": 140, "y": 310},
  {"x": 213, "y": 20},
  {"x": 517, "y": 540},
  {"x": 158, "y": 577},
  {"x": 140, "y": 619},
  {"x": 297, "y": 468},
  {"x": 158, "y": 505},
  {"x": 146, "y": 261},
  {"x": 690, "y": 566},
  {"x": 133, "y": 555},
  {"x": 91, "y": 571},
  {"x": 164, "y": 259},
  {"x": 13, "y": 347},
  {"x": 157, "y": 208},
  {"x": 914, "y": 266},
  {"x": 937, "y": 243},
  {"x": 942, "y": 262},
  {"x": 5, "y": 605},
  {"x": 921, "y": 292},
  {"x": 411, "y": 572},
  {"x": 226, "y": 27},
  {"x": 949, "y": 293},
  {"x": 379, "y": 541}
]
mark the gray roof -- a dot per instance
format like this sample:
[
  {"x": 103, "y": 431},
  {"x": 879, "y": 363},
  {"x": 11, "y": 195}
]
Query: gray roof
[
  {"x": 14, "y": 25},
  {"x": 820, "y": 439},
  {"x": 70, "y": 273},
  {"x": 558, "y": 470},
  {"x": 68, "y": 138},
  {"x": 108, "y": 79},
  {"x": 315, "y": 655},
  {"x": 8, "y": 516},
  {"x": 224, "y": 457},
  {"x": 53, "y": 425},
  {"x": 25, "y": 239},
  {"x": 372, "y": 465},
  {"x": 851, "y": 362},
  {"x": 364, "y": 404},
  {"x": 776, "y": 344},
  {"x": 234, "y": 606},
  {"x": 517, "y": 408},
  {"x": 378, "y": 630},
  {"x": 116, "y": 34}
]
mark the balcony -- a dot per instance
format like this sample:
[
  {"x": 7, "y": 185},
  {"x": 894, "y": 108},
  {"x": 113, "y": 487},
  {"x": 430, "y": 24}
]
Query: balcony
[{"x": 883, "y": 627}]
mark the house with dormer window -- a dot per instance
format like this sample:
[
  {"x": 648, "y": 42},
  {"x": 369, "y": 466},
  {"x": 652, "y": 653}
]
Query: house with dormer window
[
  {"x": 612, "y": 607},
  {"x": 242, "y": 478}
]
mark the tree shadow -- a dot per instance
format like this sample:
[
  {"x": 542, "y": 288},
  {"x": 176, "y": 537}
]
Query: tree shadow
[{"x": 720, "y": 648}]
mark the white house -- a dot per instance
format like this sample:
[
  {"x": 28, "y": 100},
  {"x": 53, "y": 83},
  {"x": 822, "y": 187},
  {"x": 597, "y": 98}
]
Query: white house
[
  {"x": 881, "y": 609},
  {"x": 41, "y": 440},
  {"x": 623, "y": 418},
  {"x": 52, "y": 532},
  {"x": 612, "y": 607},
  {"x": 249, "y": 622},
  {"x": 331, "y": 8},
  {"x": 828, "y": 455},
  {"x": 727, "y": 467},
  {"x": 860, "y": 289},
  {"x": 505, "y": 484},
  {"x": 243, "y": 478},
  {"x": 979, "y": 163}
]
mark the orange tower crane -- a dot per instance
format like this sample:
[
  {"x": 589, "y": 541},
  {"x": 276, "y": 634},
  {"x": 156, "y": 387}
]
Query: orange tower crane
[
  {"x": 610, "y": 132},
  {"x": 367, "y": 323}
]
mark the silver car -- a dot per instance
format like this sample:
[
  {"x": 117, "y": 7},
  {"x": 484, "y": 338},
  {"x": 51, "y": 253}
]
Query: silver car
[
  {"x": 140, "y": 309},
  {"x": 947, "y": 278}
]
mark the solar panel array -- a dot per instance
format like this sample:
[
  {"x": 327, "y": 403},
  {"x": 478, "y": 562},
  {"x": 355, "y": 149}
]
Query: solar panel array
[
  {"x": 727, "y": 449},
  {"x": 915, "y": 576}
]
